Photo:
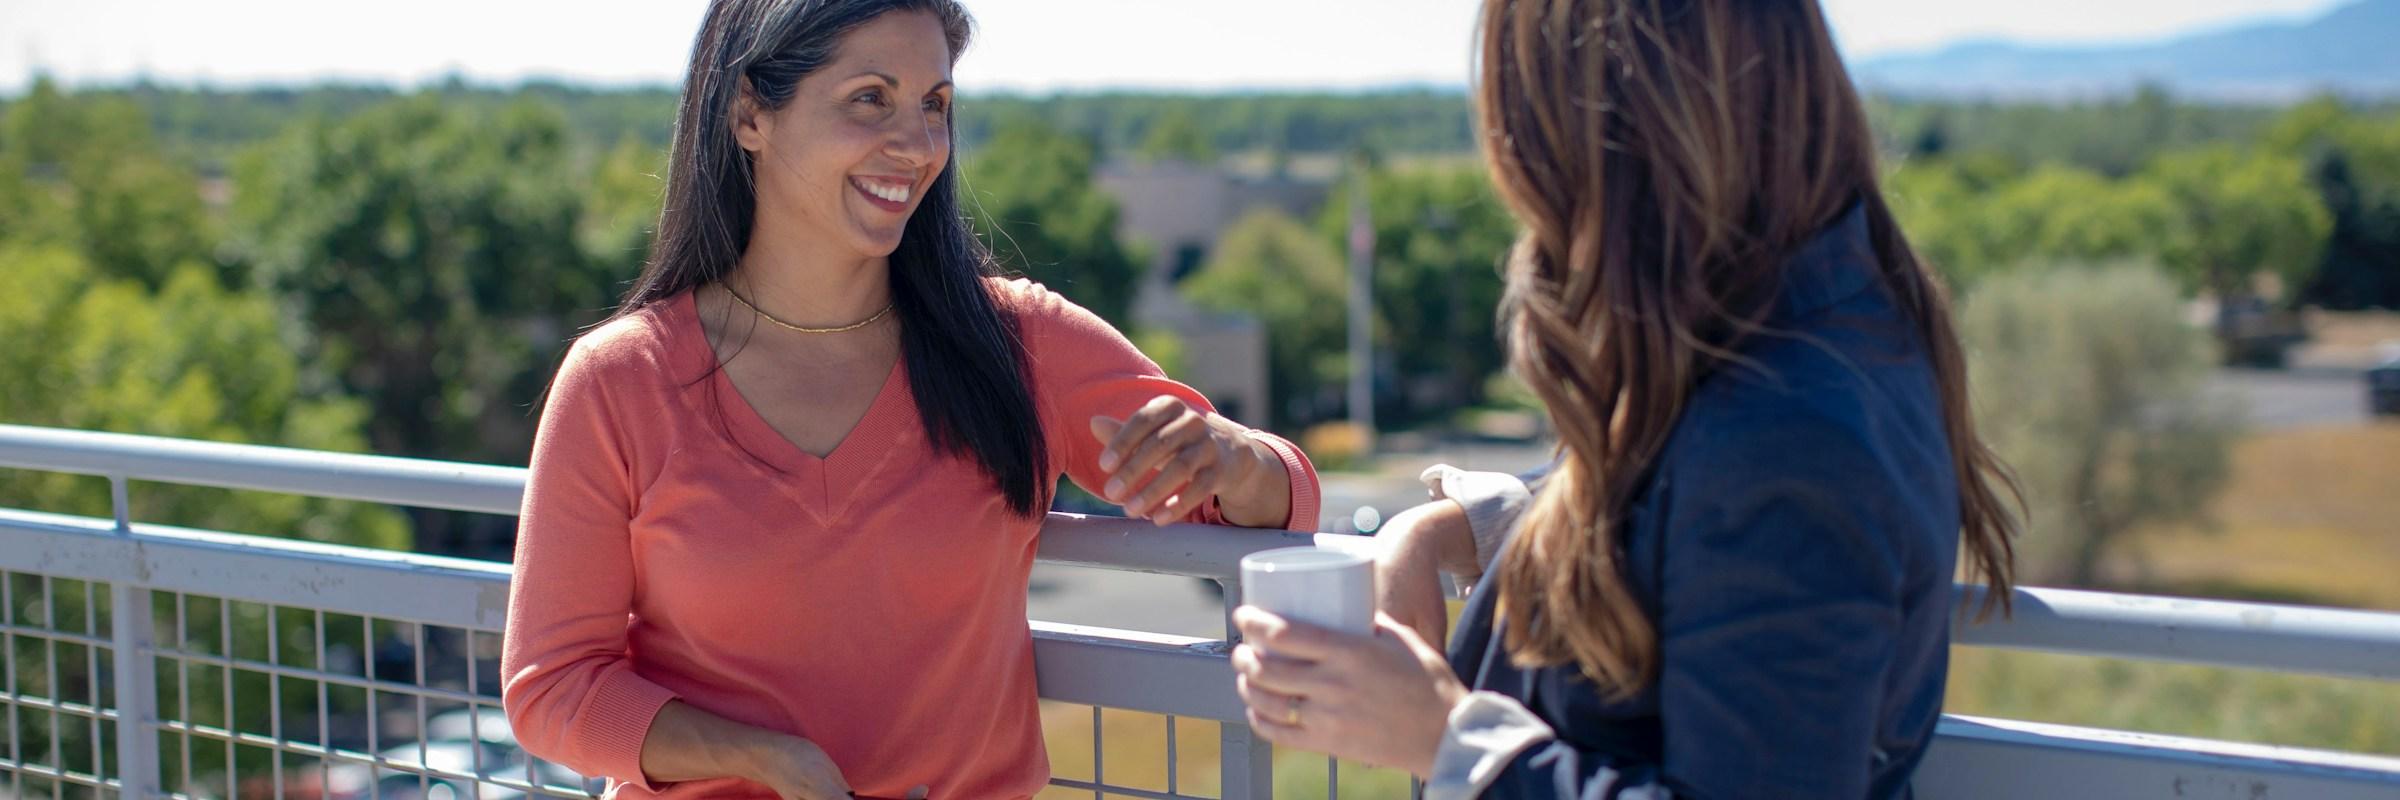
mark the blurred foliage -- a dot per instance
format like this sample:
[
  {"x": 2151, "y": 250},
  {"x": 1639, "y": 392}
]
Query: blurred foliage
[
  {"x": 2245, "y": 213},
  {"x": 2219, "y": 217},
  {"x": 1440, "y": 235},
  {"x": 2088, "y": 382},
  {"x": 1971, "y": 227},
  {"x": 1400, "y": 120},
  {"x": 116, "y": 319},
  {"x": 431, "y": 256},
  {"x": 423, "y": 256},
  {"x": 1177, "y": 136},
  {"x": 86, "y": 174},
  {"x": 2354, "y": 163},
  {"x": 620, "y": 212},
  {"x": 1289, "y": 277},
  {"x": 1031, "y": 195},
  {"x": 2113, "y": 136}
]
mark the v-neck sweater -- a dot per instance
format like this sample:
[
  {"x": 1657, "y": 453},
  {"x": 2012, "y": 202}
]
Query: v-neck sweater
[{"x": 673, "y": 545}]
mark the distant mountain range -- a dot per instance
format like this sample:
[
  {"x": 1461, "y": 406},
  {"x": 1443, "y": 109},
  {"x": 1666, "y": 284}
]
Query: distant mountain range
[{"x": 2354, "y": 50}]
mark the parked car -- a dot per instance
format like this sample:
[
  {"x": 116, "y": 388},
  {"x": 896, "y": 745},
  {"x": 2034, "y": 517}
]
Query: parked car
[
  {"x": 2255, "y": 334},
  {"x": 2383, "y": 385}
]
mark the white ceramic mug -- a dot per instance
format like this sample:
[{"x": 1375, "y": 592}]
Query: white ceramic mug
[{"x": 1319, "y": 586}]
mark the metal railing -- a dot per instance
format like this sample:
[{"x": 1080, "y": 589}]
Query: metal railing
[{"x": 408, "y": 643}]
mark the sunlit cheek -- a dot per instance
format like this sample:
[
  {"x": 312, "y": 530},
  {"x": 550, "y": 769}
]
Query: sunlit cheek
[{"x": 939, "y": 134}]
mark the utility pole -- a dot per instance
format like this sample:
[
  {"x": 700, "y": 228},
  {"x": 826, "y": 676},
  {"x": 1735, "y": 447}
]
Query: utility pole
[{"x": 1362, "y": 308}]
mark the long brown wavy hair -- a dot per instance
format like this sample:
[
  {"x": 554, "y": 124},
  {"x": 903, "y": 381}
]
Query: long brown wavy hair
[{"x": 1665, "y": 157}]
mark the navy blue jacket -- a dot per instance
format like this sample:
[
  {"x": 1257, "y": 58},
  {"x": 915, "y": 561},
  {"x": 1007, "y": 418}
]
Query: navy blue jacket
[{"x": 1794, "y": 545}]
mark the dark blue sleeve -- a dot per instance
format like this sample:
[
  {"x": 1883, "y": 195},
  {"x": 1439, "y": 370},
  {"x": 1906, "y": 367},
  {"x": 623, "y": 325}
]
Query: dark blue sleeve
[{"x": 1778, "y": 610}]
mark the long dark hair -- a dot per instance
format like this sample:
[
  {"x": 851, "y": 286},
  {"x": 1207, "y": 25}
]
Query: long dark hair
[
  {"x": 1665, "y": 156},
  {"x": 965, "y": 361}
]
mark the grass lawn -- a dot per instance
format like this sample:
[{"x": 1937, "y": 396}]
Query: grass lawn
[{"x": 2311, "y": 516}]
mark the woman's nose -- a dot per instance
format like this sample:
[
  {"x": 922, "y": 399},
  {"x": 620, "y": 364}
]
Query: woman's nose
[{"x": 916, "y": 139}]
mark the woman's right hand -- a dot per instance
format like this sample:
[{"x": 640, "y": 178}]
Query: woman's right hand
[
  {"x": 797, "y": 769},
  {"x": 1419, "y": 545}
]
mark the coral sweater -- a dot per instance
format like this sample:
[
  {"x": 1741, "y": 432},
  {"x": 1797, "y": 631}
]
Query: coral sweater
[{"x": 674, "y": 546}]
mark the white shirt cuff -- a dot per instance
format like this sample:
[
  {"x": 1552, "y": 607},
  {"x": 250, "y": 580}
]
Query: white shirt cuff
[
  {"x": 1487, "y": 731},
  {"x": 1493, "y": 502}
]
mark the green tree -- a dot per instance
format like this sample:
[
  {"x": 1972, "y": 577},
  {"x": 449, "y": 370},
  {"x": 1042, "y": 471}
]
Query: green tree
[
  {"x": 1440, "y": 235},
  {"x": 432, "y": 258},
  {"x": 190, "y": 360},
  {"x": 2246, "y": 212},
  {"x": 1929, "y": 197},
  {"x": 1270, "y": 266},
  {"x": 2090, "y": 384},
  {"x": 620, "y": 215},
  {"x": 2354, "y": 163},
  {"x": 1177, "y": 136},
  {"x": 1971, "y": 226},
  {"x": 87, "y": 173},
  {"x": 1032, "y": 196}
]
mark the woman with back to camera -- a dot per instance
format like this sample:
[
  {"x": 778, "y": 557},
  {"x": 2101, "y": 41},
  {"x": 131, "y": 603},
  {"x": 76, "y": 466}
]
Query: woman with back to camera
[
  {"x": 783, "y": 505},
  {"x": 1736, "y": 581}
]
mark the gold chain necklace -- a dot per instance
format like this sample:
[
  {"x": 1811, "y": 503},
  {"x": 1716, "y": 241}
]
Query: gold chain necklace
[{"x": 737, "y": 297}]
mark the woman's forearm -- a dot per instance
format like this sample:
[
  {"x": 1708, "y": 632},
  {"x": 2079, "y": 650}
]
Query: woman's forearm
[
  {"x": 1440, "y": 535},
  {"x": 688, "y": 744}
]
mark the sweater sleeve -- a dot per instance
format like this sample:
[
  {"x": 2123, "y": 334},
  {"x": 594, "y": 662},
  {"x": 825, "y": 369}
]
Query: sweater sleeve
[
  {"x": 1084, "y": 368},
  {"x": 568, "y": 688}
]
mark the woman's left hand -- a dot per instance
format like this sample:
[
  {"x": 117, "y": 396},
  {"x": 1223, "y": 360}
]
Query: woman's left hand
[
  {"x": 1188, "y": 456},
  {"x": 1381, "y": 699}
]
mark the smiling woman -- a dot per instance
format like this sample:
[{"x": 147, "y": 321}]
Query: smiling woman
[{"x": 783, "y": 504}]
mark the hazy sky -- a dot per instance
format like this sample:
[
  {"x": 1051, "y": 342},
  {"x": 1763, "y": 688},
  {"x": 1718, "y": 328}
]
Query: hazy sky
[{"x": 1023, "y": 44}]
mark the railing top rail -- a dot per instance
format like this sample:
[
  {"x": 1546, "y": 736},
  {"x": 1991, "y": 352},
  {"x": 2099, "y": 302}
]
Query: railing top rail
[
  {"x": 2278, "y": 637},
  {"x": 343, "y": 476},
  {"x": 2324, "y": 641}
]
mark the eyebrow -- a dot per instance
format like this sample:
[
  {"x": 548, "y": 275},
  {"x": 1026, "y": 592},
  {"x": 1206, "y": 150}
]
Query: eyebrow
[{"x": 893, "y": 82}]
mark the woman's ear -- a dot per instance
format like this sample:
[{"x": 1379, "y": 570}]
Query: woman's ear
[{"x": 751, "y": 122}]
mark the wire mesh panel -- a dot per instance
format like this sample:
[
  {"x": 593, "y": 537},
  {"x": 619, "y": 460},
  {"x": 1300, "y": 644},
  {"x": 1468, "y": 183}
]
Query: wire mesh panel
[
  {"x": 257, "y": 701},
  {"x": 1119, "y": 753},
  {"x": 57, "y": 695},
  {"x": 264, "y": 701}
]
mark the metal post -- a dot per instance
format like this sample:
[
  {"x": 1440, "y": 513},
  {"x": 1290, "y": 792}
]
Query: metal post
[
  {"x": 1246, "y": 762},
  {"x": 136, "y": 676},
  {"x": 1362, "y": 310}
]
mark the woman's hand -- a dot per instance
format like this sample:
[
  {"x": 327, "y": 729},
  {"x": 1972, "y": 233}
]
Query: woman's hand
[
  {"x": 1382, "y": 699},
  {"x": 1168, "y": 458},
  {"x": 797, "y": 769}
]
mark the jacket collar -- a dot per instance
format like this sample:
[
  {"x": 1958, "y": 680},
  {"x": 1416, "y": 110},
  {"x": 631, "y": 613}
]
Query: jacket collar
[{"x": 1832, "y": 266}]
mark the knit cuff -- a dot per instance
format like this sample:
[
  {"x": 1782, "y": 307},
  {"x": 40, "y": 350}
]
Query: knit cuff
[
  {"x": 616, "y": 721},
  {"x": 1487, "y": 730}
]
